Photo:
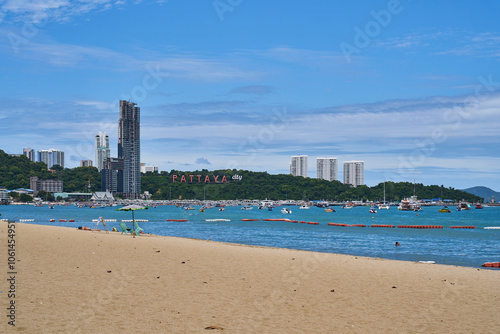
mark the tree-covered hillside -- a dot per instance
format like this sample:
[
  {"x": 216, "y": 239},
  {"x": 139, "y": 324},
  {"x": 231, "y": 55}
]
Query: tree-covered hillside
[
  {"x": 261, "y": 185},
  {"x": 15, "y": 172}
]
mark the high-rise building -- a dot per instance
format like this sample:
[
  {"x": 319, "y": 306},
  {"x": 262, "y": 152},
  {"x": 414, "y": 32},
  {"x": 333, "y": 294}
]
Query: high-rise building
[
  {"x": 101, "y": 149},
  {"x": 112, "y": 175},
  {"x": 29, "y": 153},
  {"x": 354, "y": 173},
  {"x": 51, "y": 157},
  {"x": 129, "y": 147},
  {"x": 85, "y": 163},
  {"x": 326, "y": 168},
  {"x": 298, "y": 166},
  {"x": 50, "y": 186}
]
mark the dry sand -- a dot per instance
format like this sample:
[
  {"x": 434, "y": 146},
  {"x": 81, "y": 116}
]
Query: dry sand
[{"x": 71, "y": 281}]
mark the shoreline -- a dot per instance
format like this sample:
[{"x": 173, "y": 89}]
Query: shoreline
[{"x": 71, "y": 280}]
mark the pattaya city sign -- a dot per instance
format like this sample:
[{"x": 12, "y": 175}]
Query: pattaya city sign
[{"x": 191, "y": 178}]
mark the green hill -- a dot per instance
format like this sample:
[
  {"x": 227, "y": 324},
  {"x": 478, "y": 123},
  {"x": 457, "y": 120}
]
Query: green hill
[
  {"x": 261, "y": 185},
  {"x": 484, "y": 192}
]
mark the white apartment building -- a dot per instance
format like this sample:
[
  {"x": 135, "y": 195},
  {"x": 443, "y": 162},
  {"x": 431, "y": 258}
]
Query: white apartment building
[
  {"x": 51, "y": 157},
  {"x": 298, "y": 166},
  {"x": 101, "y": 149},
  {"x": 326, "y": 169},
  {"x": 354, "y": 173}
]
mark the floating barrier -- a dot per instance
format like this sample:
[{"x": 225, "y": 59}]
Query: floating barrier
[
  {"x": 106, "y": 220},
  {"x": 275, "y": 220},
  {"x": 26, "y": 220},
  {"x": 293, "y": 221},
  {"x": 302, "y": 222},
  {"x": 338, "y": 224},
  {"x": 71, "y": 220},
  {"x": 387, "y": 226},
  {"x": 313, "y": 223},
  {"x": 358, "y": 225},
  {"x": 62, "y": 220},
  {"x": 3, "y": 220},
  {"x": 492, "y": 228},
  {"x": 491, "y": 264},
  {"x": 418, "y": 226},
  {"x": 177, "y": 220},
  {"x": 137, "y": 220},
  {"x": 471, "y": 227},
  {"x": 217, "y": 220},
  {"x": 250, "y": 220},
  {"x": 52, "y": 220}
]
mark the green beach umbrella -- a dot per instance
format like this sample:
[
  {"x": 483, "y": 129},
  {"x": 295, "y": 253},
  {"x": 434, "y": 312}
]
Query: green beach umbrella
[{"x": 132, "y": 208}]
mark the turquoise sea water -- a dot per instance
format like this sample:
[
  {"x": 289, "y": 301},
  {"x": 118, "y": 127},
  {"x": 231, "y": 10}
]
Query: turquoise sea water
[{"x": 462, "y": 247}]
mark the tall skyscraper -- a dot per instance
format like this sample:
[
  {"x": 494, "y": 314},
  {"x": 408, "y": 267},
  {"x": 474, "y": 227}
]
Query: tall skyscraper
[
  {"x": 298, "y": 166},
  {"x": 326, "y": 168},
  {"x": 29, "y": 153},
  {"x": 51, "y": 157},
  {"x": 354, "y": 173},
  {"x": 101, "y": 149},
  {"x": 129, "y": 147}
]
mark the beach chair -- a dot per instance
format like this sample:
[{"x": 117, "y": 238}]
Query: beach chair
[
  {"x": 124, "y": 228},
  {"x": 137, "y": 229}
]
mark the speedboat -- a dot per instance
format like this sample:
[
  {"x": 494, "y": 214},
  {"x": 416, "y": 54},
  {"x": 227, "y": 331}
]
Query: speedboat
[
  {"x": 247, "y": 207},
  {"x": 303, "y": 206},
  {"x": 286, "y": 210},
  {"x": 479, "y": 206},
  {"x": 445, "y": 209},
  {"x": 373, "y": 210},
  {"x": 329, "y": 210}
]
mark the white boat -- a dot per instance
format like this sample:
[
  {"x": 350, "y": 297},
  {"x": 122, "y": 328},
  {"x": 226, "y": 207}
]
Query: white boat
[
  {"x": 247, "y": 207},
  {"x": 286, "y": 210},
  {"x": 303, "y": 206},
  {"x": 373, "y": 210},
  {"x": 345, "y": 206},
  {"x": 384, "y": 205}
]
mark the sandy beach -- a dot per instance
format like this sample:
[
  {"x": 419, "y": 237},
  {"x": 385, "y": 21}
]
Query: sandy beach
[{"x": 73, "y": 281}]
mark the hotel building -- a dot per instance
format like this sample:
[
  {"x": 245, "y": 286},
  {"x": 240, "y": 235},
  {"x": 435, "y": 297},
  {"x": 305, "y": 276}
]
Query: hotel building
[
  {"x": 298, "y": 166},
  {"x": 326, "y": 168},
  {"x": 354, "y": 173}
]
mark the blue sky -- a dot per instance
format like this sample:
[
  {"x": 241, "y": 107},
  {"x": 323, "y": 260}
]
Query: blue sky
[{"x": 412, "y": 88}]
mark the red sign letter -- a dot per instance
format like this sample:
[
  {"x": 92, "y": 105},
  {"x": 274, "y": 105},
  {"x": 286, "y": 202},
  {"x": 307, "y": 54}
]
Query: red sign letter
[{"x": 174, "y": 177}]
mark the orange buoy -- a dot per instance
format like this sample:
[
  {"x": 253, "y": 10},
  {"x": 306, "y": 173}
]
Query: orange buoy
[
  {"x": 491, "y": 265},
  {"x": 313, "y": 223},
  {"x": 52, "y": 220},
  {"x": 249, "y": 220}
]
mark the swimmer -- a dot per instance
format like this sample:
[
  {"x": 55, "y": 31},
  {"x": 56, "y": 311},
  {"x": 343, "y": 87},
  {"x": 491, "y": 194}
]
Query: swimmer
[{"x": 397, "y": 244}]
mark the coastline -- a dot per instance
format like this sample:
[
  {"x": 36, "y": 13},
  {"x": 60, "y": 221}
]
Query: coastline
[{"x": 70, "y": 280}]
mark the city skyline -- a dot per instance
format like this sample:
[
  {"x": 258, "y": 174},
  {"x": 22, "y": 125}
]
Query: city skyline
[{"x": 411, "y": 88}]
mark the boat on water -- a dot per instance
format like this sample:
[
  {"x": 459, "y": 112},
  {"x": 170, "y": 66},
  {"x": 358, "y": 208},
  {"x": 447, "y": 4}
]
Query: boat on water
[
  {"x": 409, "y": 204},
  {"x": 479, "y": 206},
  {"x": 329, "y": 210},
  {"x": 348, "y": 206},
  {"x": 384, "y": 205},
  {"x": 373, "y": 210},
  {"x": 463, "y": 206},
  {"x": 222, "y": 209},
  {"x": 286, "y": 210},
  {"x": 304, "y": 206},
  {"x": 246, "y": 207},
  {"x": 445, "y": 209},
  {"x": 189, "y": 208}
]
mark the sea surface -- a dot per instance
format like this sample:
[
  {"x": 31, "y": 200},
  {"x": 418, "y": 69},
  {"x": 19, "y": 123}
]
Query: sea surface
[{"x": 461, "y": 247}]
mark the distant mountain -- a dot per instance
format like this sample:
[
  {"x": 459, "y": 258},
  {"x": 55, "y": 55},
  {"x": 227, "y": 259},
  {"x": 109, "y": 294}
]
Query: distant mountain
[{"x": 484, "y": 192}]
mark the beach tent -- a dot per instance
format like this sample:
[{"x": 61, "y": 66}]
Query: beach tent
[{"x": 132, "y": 208}]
